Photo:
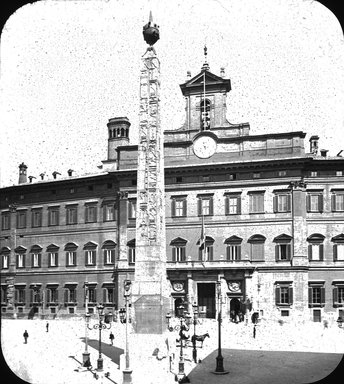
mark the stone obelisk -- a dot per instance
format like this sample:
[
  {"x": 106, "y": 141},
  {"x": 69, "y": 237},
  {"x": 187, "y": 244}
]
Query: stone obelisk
[{"x": 150, "y": 287}]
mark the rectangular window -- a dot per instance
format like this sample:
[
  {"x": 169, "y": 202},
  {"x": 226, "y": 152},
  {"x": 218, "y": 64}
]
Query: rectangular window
[
  {"x": 109, "y": 212},
  {"x": 5, "y": 261},
  {"x": 338, "y": 295},
  {"x": 90, "y": 257},
  {"x": 53, "y": 216},
  {"x": 338, "y": 252},
  {"x": 36, "y": 260},
  {"x": 233, "y": 205},
  {"x": 20, "y": 260},
  {"x": 282, "y": 173},
  {"x": 70, "y": 258},
  {"x": 284, "y": 294},
  {"x": 281, "y": 202},
  {"x": 313, "y": 174},
  {"x": 92, "y": 296},
  {"x": 70, "y": 295},
  {"x": 53, "y": 259},
  {"x": 256, "y": 175},
  {"x": 132, "y": 208},
  {"x": 337, "y": 202},
  {"x": 36, "y": 215},
  {"x": 131, "y": 252},
  {"x": 316, "y": 295},
  {"x": 20, "y": 295},
  {"x": 207, "y": 253},
  {"x": 178, "y": 206},
  {"x": 36, "y": 295},
  {"x": 256, "y": 202},
  {"x": 72, "y": 214},
  {"x": 234, "y": 252},
  {"x": 179, "y": 254},
  {"x": 257, "y": 251},
  {"x": 339, "y": 173},
  {"x": 283, "y": 251},
  {"x": 21, "y": 219},
  {"x": 5, "y": 220},
  {"x": 314, "y": 202},
  {"x": 90, "y": 213},
  {"x": 316, "y": 252},
  {"x": 52, "y": 295},
  {"x": 109, "y": 256},
  {"x": 205, "y": 205},
  {"x": 108, "y": 295}
]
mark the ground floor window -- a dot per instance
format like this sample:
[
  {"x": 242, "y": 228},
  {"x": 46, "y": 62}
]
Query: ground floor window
[{"x": 284, "y": 294}]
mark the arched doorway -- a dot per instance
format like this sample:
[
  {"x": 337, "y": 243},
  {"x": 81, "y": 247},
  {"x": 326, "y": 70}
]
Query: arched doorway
[
  {"x": 234, "y": 309},
  {"x": 177, "y": 302}
]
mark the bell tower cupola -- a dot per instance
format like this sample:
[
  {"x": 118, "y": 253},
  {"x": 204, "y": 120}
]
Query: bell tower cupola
[
  {"x": 22, "y": 173},
  {"x": 118, "y": 135}
]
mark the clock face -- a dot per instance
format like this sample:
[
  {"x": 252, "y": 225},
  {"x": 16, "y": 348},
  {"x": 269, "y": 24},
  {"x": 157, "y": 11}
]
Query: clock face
[{"x": 204, "y": 147}]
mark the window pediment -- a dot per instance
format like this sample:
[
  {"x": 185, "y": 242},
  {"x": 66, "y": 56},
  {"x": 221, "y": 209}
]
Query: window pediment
[
  {"x": 5, "y": 250},
  {"x": 36, "y": 248},
  {"x": 52, "y": 248},
  {"x": 178, "y": 241},
  {"x": 233, "y": 240},
  {"x": 71, "y": 246},
  {"x": 282, "y": 238},
  {"x": 109, "y": 244},
  {"x": 20, "y": 249},
  {"x": 208, "y": 240},
  {"x": 316, "y": 237},
  {"x": 90, "y": 245},
  {"x": 256, "y": 239},
  {"x": 338, "y": 238},
  {"x": 131, "y": 243}
]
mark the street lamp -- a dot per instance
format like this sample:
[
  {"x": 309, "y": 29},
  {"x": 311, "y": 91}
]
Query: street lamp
[
  {"x": 127, "y": 293},
  {"x": 99, "y": 326},
  {"x": 219, "y": 359},
  {"x": 184, "y": 317},
  {"x": 86, "y": 355},
  {"x": 195, "y": 315}
]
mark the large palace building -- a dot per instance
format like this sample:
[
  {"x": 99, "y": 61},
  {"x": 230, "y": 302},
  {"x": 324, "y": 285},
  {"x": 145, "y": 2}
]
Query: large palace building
[{"x": 260, "y": 213}]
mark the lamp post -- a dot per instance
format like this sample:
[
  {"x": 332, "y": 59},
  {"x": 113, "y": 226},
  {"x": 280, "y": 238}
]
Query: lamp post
[
  {"x": 99, "y": 326},
  {"x": 127, "y": 371},
  {"x": 86, "y": 355},
  {"x": 219, "y": 370},
  {"x": 183, "y": 317},
  {"x": 195, "y": 315}
]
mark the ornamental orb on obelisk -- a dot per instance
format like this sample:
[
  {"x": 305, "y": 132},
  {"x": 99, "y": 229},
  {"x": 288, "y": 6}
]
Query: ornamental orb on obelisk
[{"x": 150, "y": 288}]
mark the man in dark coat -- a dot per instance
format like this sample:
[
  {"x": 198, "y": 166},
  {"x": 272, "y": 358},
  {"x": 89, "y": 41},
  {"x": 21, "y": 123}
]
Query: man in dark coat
[
  {"x": 26, "y": 335},
  {"x": 111, "y": 337}
]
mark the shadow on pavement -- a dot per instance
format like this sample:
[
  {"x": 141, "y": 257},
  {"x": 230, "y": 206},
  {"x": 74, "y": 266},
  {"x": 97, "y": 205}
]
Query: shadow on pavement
[
  {"x": 108, "y": 350},
  {"x": 261, "y": 367}
]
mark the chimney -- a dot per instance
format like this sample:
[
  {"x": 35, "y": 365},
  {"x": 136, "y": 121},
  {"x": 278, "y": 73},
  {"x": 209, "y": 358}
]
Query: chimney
[
  {"x": 188, "y": 75},
  {"x": 323, "y": 152},
  {"x": 314, "y": 144},
  {"x": 42, "y": 175},
  {"x": 55, "y": 173},
  {"x": 222, "y": 72},
  {"x": 22, "y": 173},
  {"x": 70, "y": 172},
  {"x": 30, "y": 178}
]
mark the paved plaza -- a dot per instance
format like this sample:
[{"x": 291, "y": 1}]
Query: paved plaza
[{"x": 55, "y": 357}]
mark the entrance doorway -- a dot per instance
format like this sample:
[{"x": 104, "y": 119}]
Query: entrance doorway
[
  {"x": 235, "y": 309},
  {"x": 206, "y": 299}
]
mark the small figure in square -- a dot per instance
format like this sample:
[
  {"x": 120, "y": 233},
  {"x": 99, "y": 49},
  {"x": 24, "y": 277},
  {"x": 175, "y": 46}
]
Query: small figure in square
[
  {"x": 111, "y": 337},
  {"x": 26, "y": 335},
  {"x": 47, "y": 327}
]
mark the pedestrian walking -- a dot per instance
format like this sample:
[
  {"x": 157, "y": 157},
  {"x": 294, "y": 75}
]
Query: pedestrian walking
[
  {"x": 47, "y": 326},
  {"x": 111, "y": 337},
  {"x": 26, "y": 335},
  {"x": 254, "y": 331}
]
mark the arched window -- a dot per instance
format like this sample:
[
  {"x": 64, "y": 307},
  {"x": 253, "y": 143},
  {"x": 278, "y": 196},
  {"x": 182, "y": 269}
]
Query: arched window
[
  {"x": 282, "y": 247},
  {"x": 178, "y": 249},
  {"x": 109, "y": 248},
  {"x": 36, "y": 256},
  {"x": 316, "y": 247},
  {"x": 131, "y": 251},
  {"x": 338, "y": 247},
  {"x": 233, "y": 249},
  {"x": 205, "y": 114},
  {"x": 206, "y": 249},
  {"x": 70, "y": 249},
  {"x": 257, "y": 247}
]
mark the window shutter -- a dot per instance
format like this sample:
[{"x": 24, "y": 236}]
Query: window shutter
[
  {"x": 48, "y": 296},
  {"x": 277, "y": 252},
  {"x": 104, "y": 256},
  {"x": 310, "y": 252},
  {"x": 321, "y": 252},
  {"x": 32, "y": 260},
  {"x": 94, "y": 256},
  {"x": 310, "y": 296},
  {"x": 173, "y": 207},
  {"x": 95, "y": 295},
  {"x": 31, "y": 295},
  {"x": 56, "y": 295},
  {"x": 86, "y": 258},
  {"x": 308, "y": 203},
  {"x": 39, "y": 259},
  {"x": 275, "y": 203},
  {"x": 211, "y": 200},
  {"x": 66, "y": 296},
  {"x": 104, "y": 296},
  {"x": 335, "y": 296},
  {"x": 211, "y": 252},
  {"x": 24, "y": 295},
  {"x": 239, "y": 205},
  {"x": 173, "y": 254},
  {"x": 17, "y": 261},
  {"x": 290, "y": 295},
  {"x": 183, "y": 253},
  {"x": 288, "y": 251},
  {"x": 321, "y": 203},
  {"x": 278, "y": 294},
  {"x": 335, "y": 252},
  {"x": 288, "y": 202},
  {"x": 226, "y": 205},
  {"x": 239, "y": 252},
  {"x": 322, "y": 295},
  {"x": 199, "y": 204},
  {"x": 16, "y": 295},
  {"x": 227, "y": 251},
  {"x": 333, "y": 202},
  {"x": 200, "y": 254},
  {"x": 24, "y": 259},
  {"x": 66, "y": 258},
  {"x": 184, "y": 207}
]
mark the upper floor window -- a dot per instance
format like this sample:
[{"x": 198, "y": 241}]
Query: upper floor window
[
  {"x": 257, "y": 243},
  {"x": 178, "y": 206},
  {"x": 178, "y": 249},
  {"x": 314, "y": 201},
  {"x": 132, "y": 208},
  {"x": 36, "y": 215},
  {"x": 72, "y": 214},
  {"x": 71, "y": 249},
  {"x": 256, "y": 202},
  {"x": 20, "y": 257},
  {"x": 256, "y": 175},
  {"x": 21, "y": 219},
  {"x": 5, "y": 260},
  {"x": 90, "y": 253},
  {"x": 233, "y": 204},
  {"x": 131, "y": 251},
  {"x": 338, "y": 247},
  {"x": 316, "y": 247},
  {"x": 90, "y": 213},
  {"x": 206, "y": 249},
  {"x": 205, "y": 114},
  {"x": 283, "y": 247},
  {"x": 205, "y": 205},
  {"x": 109, "y": 252},
  {"x": 5, "y": 220},
  {"x": 36, "y": 256},
  {"x": 53, "y": 216},
  {"x": 108, "y": 293},
  {"x": 233, "y": 249},
  {"x": 316, "y": 294},
  {"x": 109, "y": 211},
  {"x": 313, "y": 173},
  {"x": 283, "y": 293},
  {"x": 337, "y": 201},
  {"x": 281, "y": 201}
]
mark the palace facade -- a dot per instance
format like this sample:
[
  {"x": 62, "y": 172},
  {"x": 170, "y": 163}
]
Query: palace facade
[{"x": 260, "y": 214}]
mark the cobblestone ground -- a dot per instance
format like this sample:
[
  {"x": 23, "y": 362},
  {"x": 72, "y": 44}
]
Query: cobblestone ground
[{"x": 47, "y": 356}]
